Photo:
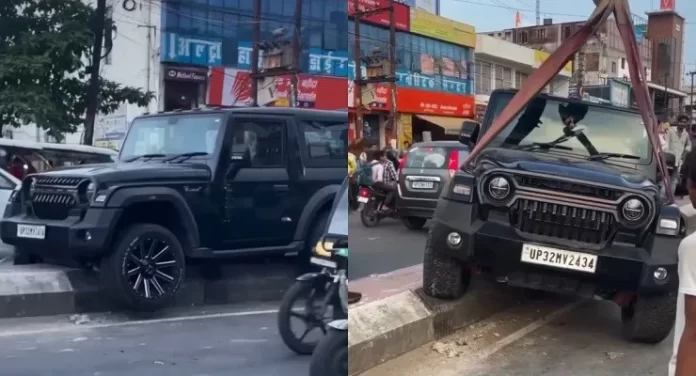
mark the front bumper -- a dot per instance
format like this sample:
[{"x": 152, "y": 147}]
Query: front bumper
[
  {"x": 498, "y": 247},
  {"x": 70, "y": 238},
  {"x": 421, "y": 208}
]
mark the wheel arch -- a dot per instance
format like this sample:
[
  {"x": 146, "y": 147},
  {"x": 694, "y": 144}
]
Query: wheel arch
[
  {"x": 125, "y": 198},
  {"x": 320, "y": 201}
]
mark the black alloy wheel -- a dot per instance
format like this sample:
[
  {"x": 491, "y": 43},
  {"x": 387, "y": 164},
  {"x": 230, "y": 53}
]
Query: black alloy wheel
[{"x": 146, "y": 268}]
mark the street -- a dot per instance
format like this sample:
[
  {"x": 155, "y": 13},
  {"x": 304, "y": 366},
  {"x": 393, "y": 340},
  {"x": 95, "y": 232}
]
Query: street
[
  {"x": 383, "y": 248},
  {"x": 239, "y": 340}
]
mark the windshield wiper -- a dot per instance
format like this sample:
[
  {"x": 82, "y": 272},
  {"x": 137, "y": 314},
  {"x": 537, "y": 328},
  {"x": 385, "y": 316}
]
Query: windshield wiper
[
  {"x": 148, "y": 156},
  {"x": 185, "y": 156},
  {"x": 545, "y": 145},
  {"x": 603, "y": 156}
]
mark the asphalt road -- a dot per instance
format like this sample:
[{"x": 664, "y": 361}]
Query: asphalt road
[
  {"x": 220, "y": 341},
  {"x": 386, "y": 247}
]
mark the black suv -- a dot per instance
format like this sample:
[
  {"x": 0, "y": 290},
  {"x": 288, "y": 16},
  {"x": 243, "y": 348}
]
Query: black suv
[
  {"x": 568, "y": 207},
  {"x": 188, "y": 184}
]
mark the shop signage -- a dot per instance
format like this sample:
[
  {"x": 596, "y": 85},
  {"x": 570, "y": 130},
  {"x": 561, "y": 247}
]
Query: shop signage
[
  {"x": 183, "y": 49},
  {"x": 244, "y": 50},
  {"x": 230, "y": 87},
  {"x": 416, "y": 101},
  {"x": 406, "y": 78},
  {"x": 401, "y": 13},
  {"x": 541, "y": 56},
  {"x": 186, "y": 74},
  {"x": 431, "y": 25},
  {"x": 328, "y": 62}
]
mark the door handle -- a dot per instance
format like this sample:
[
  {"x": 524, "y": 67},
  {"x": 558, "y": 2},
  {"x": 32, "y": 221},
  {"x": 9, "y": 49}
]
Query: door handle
[{"x": 280, "y": 187}]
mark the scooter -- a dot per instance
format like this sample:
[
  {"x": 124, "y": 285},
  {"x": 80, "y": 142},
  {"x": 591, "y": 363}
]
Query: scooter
[
  {"x": 331, "y": 355},
  {"x": 371, "y": 202}
]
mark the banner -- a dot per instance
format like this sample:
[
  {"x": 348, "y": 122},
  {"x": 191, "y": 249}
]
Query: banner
[
  {"x": 541, "y": 56},
  {"x": 434, "y": 26},
  {"x": 229, "y": 87},
  {"x": 405, "y": 124},
  {"x": 434, "y": 103},
  {"x": 401, "y": 14}
]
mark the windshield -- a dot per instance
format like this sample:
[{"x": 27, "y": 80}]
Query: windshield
[
  {"x": 339, "y": 217},
  {"x": 172, "y": 134},
  {"x": 604, "y": 129}
]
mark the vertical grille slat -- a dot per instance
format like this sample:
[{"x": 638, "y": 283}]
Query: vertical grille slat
[
  {"x": 562, "y": 221},
  {"x": 54, "y": 196}
]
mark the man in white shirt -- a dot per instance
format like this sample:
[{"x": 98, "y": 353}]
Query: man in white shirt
[
  {"x": 683, "y": 362},
  {"x": 678, "y": 143}
]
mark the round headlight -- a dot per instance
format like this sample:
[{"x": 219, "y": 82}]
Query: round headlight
[
  {"x": 633, "y": 210},
  {"x": 499, "y": 188}
]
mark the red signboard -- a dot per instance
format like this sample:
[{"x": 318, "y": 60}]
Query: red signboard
[
  {"x": 416, "y": 101},
  {"x": 402, "y": 13},
  {"x": 229, "y": 87},
  {"x": 667, "y": 4}
]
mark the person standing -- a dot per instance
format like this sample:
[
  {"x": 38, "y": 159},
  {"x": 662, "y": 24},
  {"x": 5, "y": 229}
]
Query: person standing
[
  {"x": 352, "y": 181},
  {"x": 683, "y": 361},
  {"x": 678, "y": 143}
]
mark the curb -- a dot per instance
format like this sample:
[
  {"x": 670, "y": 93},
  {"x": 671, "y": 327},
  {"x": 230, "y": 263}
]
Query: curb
[
  {"x": 43, "y": 290},
  {"x": 384, "y": 328}
]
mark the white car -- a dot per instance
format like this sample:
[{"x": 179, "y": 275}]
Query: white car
[{"x": 8, "y": 183}]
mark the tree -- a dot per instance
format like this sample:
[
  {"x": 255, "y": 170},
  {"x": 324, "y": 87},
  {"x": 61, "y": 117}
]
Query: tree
[{"x": 45, "y": 53}]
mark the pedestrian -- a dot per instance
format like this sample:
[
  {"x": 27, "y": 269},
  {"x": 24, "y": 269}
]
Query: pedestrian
[
  {"x": 683, "y": 361},
  {"x": 678, "y": 143},
  {"x": 352, "y": 180}
]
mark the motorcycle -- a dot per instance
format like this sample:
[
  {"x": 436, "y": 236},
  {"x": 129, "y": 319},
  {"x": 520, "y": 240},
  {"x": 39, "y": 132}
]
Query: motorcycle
[
  {"x": 320, "y": 289},
  {"x": 331, "y": 355},
  {"x": 371, "y": 202}
]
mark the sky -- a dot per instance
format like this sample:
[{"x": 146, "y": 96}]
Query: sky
[{"x": 489, "y": 15}]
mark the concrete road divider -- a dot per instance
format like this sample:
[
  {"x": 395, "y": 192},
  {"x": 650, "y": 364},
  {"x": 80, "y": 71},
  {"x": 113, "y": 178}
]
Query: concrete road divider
[
  {"x": 40, "y": 290},
  {"x": 395, "y": 317}
]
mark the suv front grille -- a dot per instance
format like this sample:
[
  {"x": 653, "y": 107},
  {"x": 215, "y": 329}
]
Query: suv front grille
[
  {"x": 562, "y": 222},
  {"x": 566, "y": 186},
  {"x": 52, "y": 205}
]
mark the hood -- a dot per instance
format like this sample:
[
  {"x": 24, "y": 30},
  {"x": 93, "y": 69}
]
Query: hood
[
  {"x": 555, "y": 165},
  {"x": 135, "y": 171}
]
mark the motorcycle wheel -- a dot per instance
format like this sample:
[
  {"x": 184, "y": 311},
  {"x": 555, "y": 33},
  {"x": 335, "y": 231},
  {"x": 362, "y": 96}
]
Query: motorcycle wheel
[
  {"x": 368, "y": 215},
  {"x": 331, "y": 356},
  {"x": 311, "y": 291}
]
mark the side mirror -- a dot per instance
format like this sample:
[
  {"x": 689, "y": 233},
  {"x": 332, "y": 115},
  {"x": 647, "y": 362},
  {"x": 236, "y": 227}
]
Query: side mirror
[{"x": 469, "y": 133}]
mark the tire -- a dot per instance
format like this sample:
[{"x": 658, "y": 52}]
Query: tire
[
  {"x": 414, "y": 223},
  {"x": 368, "y": 216},
  {"x": 331, "y": 356},
  {"x": 299, "y": 289},
  {"x": 158, "y": 285},
  {"x": 650, "y": 319},
  {"x": 443, "y": 276}
]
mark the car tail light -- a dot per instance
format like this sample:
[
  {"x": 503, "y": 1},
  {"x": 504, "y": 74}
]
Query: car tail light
[
  {"x": 453, "y": 163},
  {"x": 364, "y": 192}
]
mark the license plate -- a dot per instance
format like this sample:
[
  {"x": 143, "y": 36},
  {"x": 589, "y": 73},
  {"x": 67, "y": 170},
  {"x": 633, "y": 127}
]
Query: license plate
[
  {"x": 422, "y": 185},
  {"x": 362, "y": 199},
  {"x": 31, "y": 232},
  {"x": 322, "y": 262},
  {"x": 559, "y": 258}
]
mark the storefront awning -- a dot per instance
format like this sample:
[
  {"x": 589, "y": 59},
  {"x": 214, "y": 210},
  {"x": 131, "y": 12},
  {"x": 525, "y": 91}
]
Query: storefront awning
[{"x": 451, "y": 125}]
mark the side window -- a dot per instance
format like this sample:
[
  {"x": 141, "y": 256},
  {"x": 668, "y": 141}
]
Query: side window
[
  {"x": 6, "y": 183},
  {"x": 325, "y": 140},
  {"x": 263, "y": 140}
]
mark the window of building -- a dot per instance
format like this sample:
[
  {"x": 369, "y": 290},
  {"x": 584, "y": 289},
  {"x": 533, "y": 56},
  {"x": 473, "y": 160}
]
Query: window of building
[
  {"x": 483, "y": 77},
  {"x": 503, "y": 77},
  {"x": 613, "y": 67},
  {"x": 623, "y": 63},
  {"x": 524, "y": 37},
  {"x": 520, "y": 79}
]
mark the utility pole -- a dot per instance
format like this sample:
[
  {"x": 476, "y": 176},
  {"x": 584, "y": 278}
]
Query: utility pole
[
  {"x": 357, "y": 88},
  {"x": 297, "y": 53},
  {"x": 380, "y": 68},
  {"x": 691, "y": 94},
  {"x": 256, "y": 36},
  {"x": 93, "y": 89},
  {"x": 538, "y": 12}
]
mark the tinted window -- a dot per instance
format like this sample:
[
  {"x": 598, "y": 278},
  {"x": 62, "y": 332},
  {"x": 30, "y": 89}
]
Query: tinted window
[
  {"x": 172, "y": 134},
  {"x": 326, "y": 139},
  {"x": 427, "y": 157},
  {"x": 264, "y": 141},
  {"x": 6, "y": 183}
]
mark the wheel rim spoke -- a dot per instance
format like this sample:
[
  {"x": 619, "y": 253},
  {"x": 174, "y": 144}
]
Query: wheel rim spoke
[
  {"x": 167, "y": 277},
  {"x": 146, "y": 283},
  {"x": 309, "y": 329},
  {"x": 133, "y": 271},
  {"x": 138, "y": 282},
  {"x": 135, "y": 259},
  {"x": 157, "y": 286},
  {"x": 166, "y": 263},
  {"x": 152, "y": 248},
  {"x": 160, "y": 253},
  {"x": 141, "y": 247},
  {"x": 299, "y": 315}
]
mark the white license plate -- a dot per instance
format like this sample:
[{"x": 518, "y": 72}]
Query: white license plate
[
  {"x": 559, "y": 258},
  {"x": 322, "y": 262},
  {"x": 31, "y": 232},
  {"x": 362, "y": 199},
  {"x": 422, "y": 185}
]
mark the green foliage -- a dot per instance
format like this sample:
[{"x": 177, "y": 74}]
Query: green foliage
[{"x": 45, "y": 49}]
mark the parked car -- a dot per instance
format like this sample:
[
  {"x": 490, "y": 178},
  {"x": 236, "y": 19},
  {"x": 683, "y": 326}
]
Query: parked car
[
  {"x": 426, "y": 169},
  {"x": 573, "y": 210},
  {"x": 211, "y": 183}
]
